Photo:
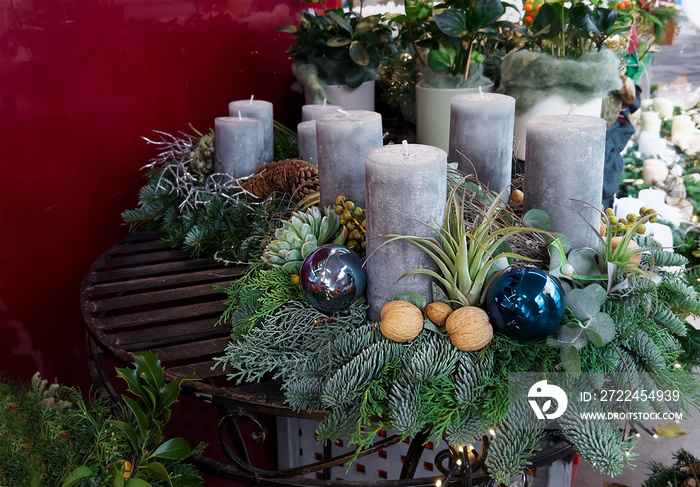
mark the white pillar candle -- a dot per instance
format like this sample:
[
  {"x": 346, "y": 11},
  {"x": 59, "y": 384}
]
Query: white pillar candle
[
  {"x": 651, "y": 122},
  {"x": 311, "y": 112},
  {"x": 306, "y": 136},
  {"x": 682, "y": 124},
  {"x": 481, "y": 137},
  {"x": 343, "y": 139},
  {"x": 564, "y": 163},
  {"x": 651, "y": 144},
  {"x": 663, "y": 106},
  {"x": 406, "y": 185},
  {"x": 261, "y": 110},
  {"x": 238, "y": 143}
]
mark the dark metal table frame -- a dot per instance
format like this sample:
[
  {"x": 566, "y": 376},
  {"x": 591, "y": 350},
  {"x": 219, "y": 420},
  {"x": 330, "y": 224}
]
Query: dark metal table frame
[{"x": 141, "y": 296}]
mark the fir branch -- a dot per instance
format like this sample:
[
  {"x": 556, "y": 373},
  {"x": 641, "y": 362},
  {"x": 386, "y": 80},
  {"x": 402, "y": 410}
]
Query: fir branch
[
  {"x": 348, "y": 382},
  {"x": 599, "y": 442},
  {"x": 405, "y": 406},
  {"x": 464, "y": 431},
  {"x": 516, "y": 440},
  {"x": 470, "y": 375}
]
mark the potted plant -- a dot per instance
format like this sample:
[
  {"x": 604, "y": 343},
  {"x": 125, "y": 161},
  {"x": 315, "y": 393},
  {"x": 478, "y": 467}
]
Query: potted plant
[
  {"x": 447, "y": 45},
  {"x": 557, "y": 58},
  {"x": 336, "y": 53}
]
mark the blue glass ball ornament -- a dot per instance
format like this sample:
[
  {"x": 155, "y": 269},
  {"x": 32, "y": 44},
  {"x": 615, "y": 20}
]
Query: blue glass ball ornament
[
  {"x": 525, "y": 303},
  {"x": 332, "y": 278}
]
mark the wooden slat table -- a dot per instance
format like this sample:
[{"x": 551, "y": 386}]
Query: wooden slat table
[{"x": 142, "y": 296}]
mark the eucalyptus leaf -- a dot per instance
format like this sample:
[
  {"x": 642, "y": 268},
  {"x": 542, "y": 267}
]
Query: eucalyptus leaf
[
  {"x": 583, "y": 262},
  {"x": 582, "y": 304},
  {"x": 600, "y": 329},
  {"x": 598, "y": 292},
  {"x": 571, "y": 361},
  {"x": 537, "y": 218},
  {"x": 415, "y": 299},
  {"x": 573, "y": 336}
]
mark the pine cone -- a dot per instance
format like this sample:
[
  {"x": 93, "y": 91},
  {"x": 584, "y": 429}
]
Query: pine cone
[
  {"x": 289, "y": 176},
  {"x": 693, "y": 469}
]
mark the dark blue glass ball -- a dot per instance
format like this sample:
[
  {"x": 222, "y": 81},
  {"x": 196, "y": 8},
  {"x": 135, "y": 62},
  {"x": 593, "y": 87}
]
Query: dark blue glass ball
[
  {"x": 332, "y": 278},
  {"x": 525, "y": 303}
]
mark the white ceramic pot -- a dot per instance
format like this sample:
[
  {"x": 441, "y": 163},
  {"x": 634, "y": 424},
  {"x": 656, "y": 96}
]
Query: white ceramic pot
[
  {"x": 433, "y": 107},
  {"x": 360, "y": 98},
  {"x": 552, "y": 105}
]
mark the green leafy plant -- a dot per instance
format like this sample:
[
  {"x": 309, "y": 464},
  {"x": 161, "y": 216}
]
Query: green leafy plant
[
  {"x": 571, "y": 29},
  {"x": 345, "y": 47},
  {"x": 154, "y": 457},
  {"x": 458, "y": 27}
]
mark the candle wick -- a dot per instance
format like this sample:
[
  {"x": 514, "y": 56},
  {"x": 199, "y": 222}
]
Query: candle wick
[
  {"x": 481, "y": 93},
  {"x": 325, "y": 100},
  {"x": 240, "y": 117},
  {"x": 343, "y": 112},
  {"x": 406, "y": 153},
  {"x": 571, "y": 111},
  {"x": 251, "y": 99}
]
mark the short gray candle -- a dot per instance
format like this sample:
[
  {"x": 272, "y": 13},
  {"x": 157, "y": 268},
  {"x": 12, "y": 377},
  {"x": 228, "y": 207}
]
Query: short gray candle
[
  {"x": 306, "y": 135},
  {"x": 261, "y": 110},
  {"x": 311, "y": 112},
  {"x": 481, "y": 137},
  {"x": 238, "y": 143},
  {"x": 343, "y": 140},
  {"x": 563, "y": 168},
  {"x": 406, "y": 185}
]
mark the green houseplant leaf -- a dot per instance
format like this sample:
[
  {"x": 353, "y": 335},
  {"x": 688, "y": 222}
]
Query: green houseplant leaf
[{"x": 173, "y": 449}]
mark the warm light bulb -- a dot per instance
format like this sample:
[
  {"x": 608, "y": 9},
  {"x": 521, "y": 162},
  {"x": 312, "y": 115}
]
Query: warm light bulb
[
  {"x": 627, "y": 453},
  {"x": 655, "y": 435},
  {"x": 637, "y": 435},
  {"x": 492, "y": 432},
  {"x": 677, "y": 365},
  {"x": 460, "y": 449},
  {"x": 459, "y": 462},
  {"x": 438, "y": 483}
]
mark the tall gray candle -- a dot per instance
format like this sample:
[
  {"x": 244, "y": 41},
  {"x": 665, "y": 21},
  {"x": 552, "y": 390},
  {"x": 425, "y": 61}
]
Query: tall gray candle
[
  {"x": 306, "y": 135},
  {"x": 238, "y": 144},
  {"x": 481, "y": 137},
  {"x": 343, "y": 140},
  {"x": 261, "y": 110},
  {"x": 563, "y": 168},
  {"x": 311, "y": 112},
  {"x": 406, "y": 185}
]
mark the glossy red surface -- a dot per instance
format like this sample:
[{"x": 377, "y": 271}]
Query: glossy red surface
[{"x": 81, "y": 82}]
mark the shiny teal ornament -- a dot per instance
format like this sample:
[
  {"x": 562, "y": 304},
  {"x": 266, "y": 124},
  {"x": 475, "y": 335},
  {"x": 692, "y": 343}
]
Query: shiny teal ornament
[
  {"x": 525, "y": 303},
  {"x": 332, "y": 278}
]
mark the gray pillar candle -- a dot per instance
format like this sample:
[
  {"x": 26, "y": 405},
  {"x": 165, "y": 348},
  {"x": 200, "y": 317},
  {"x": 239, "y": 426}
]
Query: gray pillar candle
[
  {"x": 481, "y": 137},
  {"x": 343, "y": 139},
  {"x": 306, "y": 135},
  {"x": 238, "y": 144},
  {"x": 311, "y": 112},
  {"x": 563, "y": 168},
  {"x": 262, "y": 110},
  {"x": 406, "y": 185}
]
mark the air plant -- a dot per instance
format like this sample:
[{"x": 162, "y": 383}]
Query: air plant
[{"x": 467, "y": 254}]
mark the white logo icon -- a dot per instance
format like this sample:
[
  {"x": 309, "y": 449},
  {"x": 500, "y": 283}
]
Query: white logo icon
[{"x": 542, "y": 389}]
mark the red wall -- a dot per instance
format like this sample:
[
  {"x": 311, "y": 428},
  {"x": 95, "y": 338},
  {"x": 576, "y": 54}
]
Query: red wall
[{"x": 81, "y": 82}]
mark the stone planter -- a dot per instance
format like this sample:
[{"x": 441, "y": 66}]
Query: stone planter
[{"x": 360, "y": 98}]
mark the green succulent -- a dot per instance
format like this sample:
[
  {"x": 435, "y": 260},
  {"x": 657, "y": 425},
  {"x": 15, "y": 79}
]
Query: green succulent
[{"x": 299, "y": 236}]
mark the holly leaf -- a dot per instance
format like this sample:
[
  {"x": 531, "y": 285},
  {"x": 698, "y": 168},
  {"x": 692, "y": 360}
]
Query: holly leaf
[{"x": 149, "y": 369}]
